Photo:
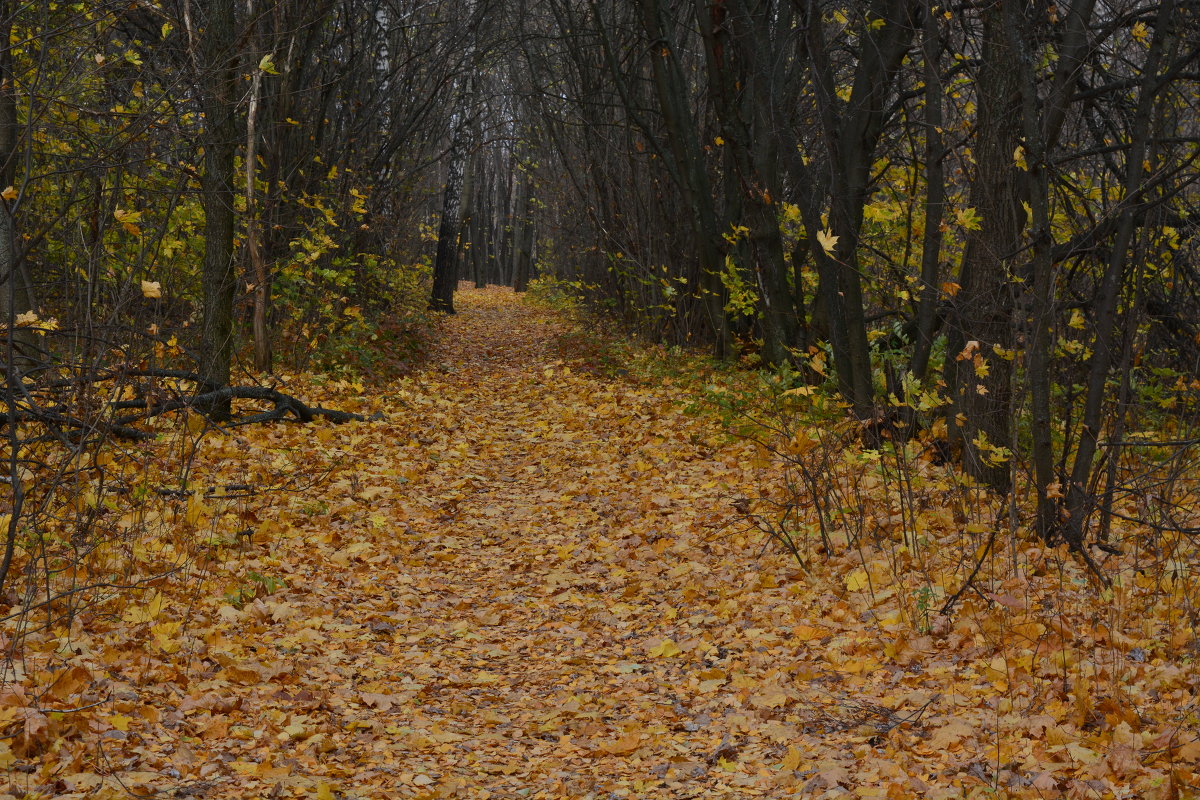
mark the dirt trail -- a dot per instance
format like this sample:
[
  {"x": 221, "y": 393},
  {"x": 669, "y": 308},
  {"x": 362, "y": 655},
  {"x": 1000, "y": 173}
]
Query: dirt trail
[
  {"x": 529, "y": 586},
  {"x": 506, "y": 590}
]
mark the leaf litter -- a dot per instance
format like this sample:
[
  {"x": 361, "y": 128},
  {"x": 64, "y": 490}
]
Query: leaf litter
[{"x": 522, "y": 582}]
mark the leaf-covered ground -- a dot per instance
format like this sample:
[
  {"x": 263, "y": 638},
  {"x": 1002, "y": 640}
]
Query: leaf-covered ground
[{"x": 522, "y": 582}]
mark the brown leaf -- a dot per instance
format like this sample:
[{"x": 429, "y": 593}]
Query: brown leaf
[
  {"x": 35, "y": 728},
  {"x": 380, "y": 702},
  {"x": 950, "y": 734},
  {"x": 623, "y": 746}
]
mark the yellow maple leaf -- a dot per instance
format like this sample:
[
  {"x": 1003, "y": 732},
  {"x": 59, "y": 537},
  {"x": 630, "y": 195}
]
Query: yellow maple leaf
[
  {"x": 803, "y": 391},
  {"x": 857, "y": 580},
  {"x": 806, "y": 633},
  {"x": 950, "y": 734},
  {"x": 968, "y": 218},
  {"x": 827, "y": 241},
  {"x": 771, "y": 697},
  {"x": 151, "y": 289},
  {"x": 666, "y": 649},
  {"x": 1082, "y": 754},
  {"x": 146, "y": 613}
]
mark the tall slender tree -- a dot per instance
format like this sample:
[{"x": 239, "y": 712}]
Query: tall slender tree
[{"x": 216, "y": 60}]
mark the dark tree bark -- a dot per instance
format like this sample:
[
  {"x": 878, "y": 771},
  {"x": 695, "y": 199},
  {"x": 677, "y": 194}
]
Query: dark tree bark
[
  {"x": 688, "y": 166},
  {"x": 16, "y": 295},
  {"x": 978, "y": 374},
  {"x": 522, "y": 222},
  {"x": 469, "y": 208},
  {"x": 445, "y": 262},
  {"x": 851, "y": 132},
  {"x": 218, "y": 96},
  {"x": 739, "y": 41},
  {"x": 935, "y": 193},
  {"x": 988, "y": 325},
  {"x": 256, "y": 268}
]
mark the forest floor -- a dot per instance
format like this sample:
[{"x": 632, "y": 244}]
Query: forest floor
[{"x": 524, "y": 581}]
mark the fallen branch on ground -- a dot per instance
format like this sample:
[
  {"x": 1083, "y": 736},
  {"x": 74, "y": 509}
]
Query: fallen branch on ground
[{"x": 156, "y": 399}]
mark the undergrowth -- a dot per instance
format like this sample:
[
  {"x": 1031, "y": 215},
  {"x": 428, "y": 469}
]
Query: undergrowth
[
  {"x": 940, "y": 556},
  {"x": 597, "y": 343}
]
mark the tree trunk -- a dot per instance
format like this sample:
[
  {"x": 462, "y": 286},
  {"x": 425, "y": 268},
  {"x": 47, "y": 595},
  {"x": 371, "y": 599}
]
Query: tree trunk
[
  {"x": 260, "y": 277},
  {"x": 978, "y": 373},
  {"x": 218, "y": 97},
  {"x": 739, "y": 53},
  {"x": 16, "y": 295},
  {"x": 505, "y": 219},
  {"x": 522, "y": 229},
  {"x": 469, "y": 208},
  {"x": 480, "y": 218},
  {"x": 851, "y": 131},
  {"x": 690, "y": 171},
  {"x": 935, "y": 194},
  {"x": 445, "y": 263}
]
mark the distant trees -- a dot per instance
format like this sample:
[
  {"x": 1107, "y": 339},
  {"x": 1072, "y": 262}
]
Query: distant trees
[{"x": 445, "y": 260}]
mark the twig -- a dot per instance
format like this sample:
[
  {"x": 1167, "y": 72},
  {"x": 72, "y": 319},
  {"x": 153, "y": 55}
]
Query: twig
[{"x": 949, "y": 606}]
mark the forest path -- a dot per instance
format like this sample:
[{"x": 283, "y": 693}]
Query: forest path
[
  {"x": 540, "y": 567},
  {"x": 515, "y": 586}
]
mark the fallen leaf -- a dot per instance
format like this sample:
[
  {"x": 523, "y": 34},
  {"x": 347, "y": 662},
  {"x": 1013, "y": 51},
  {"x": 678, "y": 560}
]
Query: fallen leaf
[
  {"x": 623, "y": 746},
  {"x": 665, "y": 649},
  {"x": 857, "y": 580},
  {"x": 950, "y": 734}
]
